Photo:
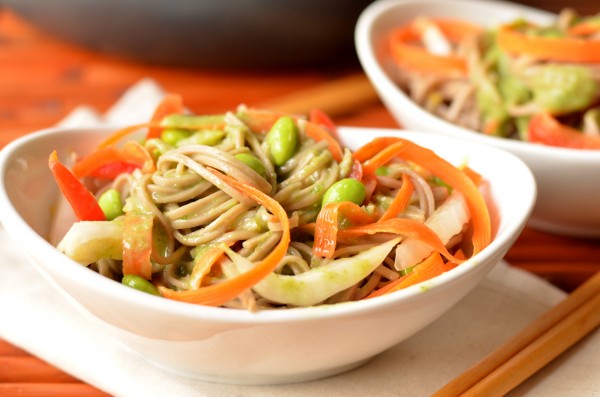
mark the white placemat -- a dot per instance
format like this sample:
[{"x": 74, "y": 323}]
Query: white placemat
[{"x": 36, "y": 318}]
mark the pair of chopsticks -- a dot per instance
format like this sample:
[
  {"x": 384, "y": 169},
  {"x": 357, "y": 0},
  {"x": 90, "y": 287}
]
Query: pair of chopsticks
[{"x": 535, "y": 346}]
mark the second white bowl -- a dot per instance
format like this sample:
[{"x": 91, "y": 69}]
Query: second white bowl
[{"x": 568, "y": 180}]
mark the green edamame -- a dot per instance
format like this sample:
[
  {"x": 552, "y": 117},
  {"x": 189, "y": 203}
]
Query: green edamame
[
  {"x": 282, "y": 140},
  {"x": 192, "y": 122},
  {"x": 111, "y": 204},
  {"x": 347, "y": 189},
  {"x": 173, "y": 135},
  {"x": 252, "y": 162},
  {"x": 139, "y": 283},
  {"x": 204, "y": 137}
]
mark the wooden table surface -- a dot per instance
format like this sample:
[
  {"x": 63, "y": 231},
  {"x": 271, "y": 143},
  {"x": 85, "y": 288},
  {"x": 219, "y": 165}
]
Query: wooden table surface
[{"x": 42, "y": 80}]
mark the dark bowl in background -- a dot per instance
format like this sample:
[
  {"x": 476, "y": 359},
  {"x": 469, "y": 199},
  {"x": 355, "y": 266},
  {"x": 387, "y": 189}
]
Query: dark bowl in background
[{"x": 205, "y": 33}]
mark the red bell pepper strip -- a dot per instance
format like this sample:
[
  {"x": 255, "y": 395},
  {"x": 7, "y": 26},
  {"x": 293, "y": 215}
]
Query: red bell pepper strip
[
  {"x": 545, "y": 129},
  {"x": 319, "y": 117},
  {"x": 132, "y": 154},
  {"x": 83, "y": 202}
]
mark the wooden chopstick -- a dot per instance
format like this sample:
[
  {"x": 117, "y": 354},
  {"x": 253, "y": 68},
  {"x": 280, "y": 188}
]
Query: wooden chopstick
[
  {"x": 337, "y": 97},
  {"x": 534, "y": 347}
]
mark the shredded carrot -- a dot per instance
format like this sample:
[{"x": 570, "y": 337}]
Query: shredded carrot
[
  {"x": 381, "y": 150},
  {"x": 131, "y": 153},
  {"x": 431, "y": 267},
  {"x": 261, "y": 121},
  {"x": 319, "y": 133},
  {"x": 584, "y": 28},
  {"x": 570, "y": 49},
  {"x": 217, "y": 294},
  {"x": 327, "y": 225},
  {"x": 118, "y": 135},
  {"x": 408, "y": 54},
  {"x": 137, "y": 244},
  {"x": 472, "y": 174},
  {"x": 400, "y": 201},
  {"x": 203, "y": 264}
]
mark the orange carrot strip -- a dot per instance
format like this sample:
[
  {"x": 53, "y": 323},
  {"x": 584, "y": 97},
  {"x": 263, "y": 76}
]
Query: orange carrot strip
[
  {"x": 472, "y": 174},
  {"x": 131, "y": 153},
  {"x": 217, "y": 294},
  {"x": 326, "y": 226},
  {"x": 170, "y": 104},
  {"x": 118, "y": 135},
  {"x": 261, "y": 121},
  {"x": 431, "y": 267},
  {"x": 319, "y": 133},
  {"x": 570, "y": 49},
  {"x": 406, "y": 53},
  {"x": 384, "y": 149},
  {"x": 400, "y": 201},
  {"x": 137, "y": 244},
  {"x": 585, "y": 28},
  {"x": 203, "y": 264}
]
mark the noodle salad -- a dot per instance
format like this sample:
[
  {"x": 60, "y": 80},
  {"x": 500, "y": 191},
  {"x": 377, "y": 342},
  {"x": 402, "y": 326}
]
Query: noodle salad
[
  {"x": 521, "y": 81},
  {"x": 258, "y": 210}
]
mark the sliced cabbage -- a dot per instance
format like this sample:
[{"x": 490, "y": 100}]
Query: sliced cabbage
[
  {"x": 318, "y": 284},
  {"x": 446, "y": 221},
  {"x": 89, "y": 241}
]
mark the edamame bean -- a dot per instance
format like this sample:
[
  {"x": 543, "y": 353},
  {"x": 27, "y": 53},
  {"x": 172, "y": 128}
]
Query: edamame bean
[
  {"x": 192, "y": 122},
  {"x": 347, "y": 189},
  {"x": 111, "y": 204},
  {"x": 204, "y": 137},
  {"x": 282, "y": 140},
  {"x": 173, "y": 135},
  {"x": 139, "y": 283},
  {"x": 252, "y": 162}
]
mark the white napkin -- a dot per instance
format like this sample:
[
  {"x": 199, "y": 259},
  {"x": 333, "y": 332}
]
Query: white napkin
[{"x": 36, "y": 318}]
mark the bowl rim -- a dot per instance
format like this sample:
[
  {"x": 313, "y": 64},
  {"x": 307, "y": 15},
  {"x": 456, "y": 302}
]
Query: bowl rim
[
  {"x": 390, "y": 92},
  {"x": 15, "y": 225}
]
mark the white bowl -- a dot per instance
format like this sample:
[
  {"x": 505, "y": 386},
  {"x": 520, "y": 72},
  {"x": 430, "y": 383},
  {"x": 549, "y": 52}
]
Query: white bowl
[
  {"x": 568, "y": 180},
  {"x": 266, "y": 347}
]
